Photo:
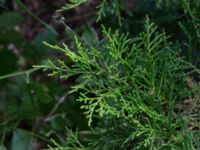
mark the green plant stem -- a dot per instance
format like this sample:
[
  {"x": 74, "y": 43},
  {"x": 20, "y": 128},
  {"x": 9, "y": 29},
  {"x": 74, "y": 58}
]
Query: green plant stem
[
  {"x": 60, "y": 101},
  {"x": 35, "y": 17},
  {"x": 27, "y": 72},
  {"x": 192, "y": 66},
  {"x": 36, "y": 135},
  {"x": 3, "y": 135}
]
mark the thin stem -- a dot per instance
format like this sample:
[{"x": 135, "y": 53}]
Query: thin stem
[
  {"x": 60, "y": 101},
  {"x": 35, "y": 17},
  {"x": 3, "y": 135},
  {"x": 36, "y": 135},
  {"x": 27, "y": 72},
  {"x": 192, "y": 66}
]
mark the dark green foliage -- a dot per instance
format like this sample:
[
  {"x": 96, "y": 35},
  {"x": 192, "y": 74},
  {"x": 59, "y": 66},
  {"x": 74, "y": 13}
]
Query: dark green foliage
[
  {"x": 29, "y": 108},
  {"x": 190, "y": 27}
]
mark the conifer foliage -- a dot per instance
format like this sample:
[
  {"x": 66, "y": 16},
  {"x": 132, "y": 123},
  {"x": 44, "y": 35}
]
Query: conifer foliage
[
  {"x": 129, "y": 89},
  {"x": 127, "y": 76}
]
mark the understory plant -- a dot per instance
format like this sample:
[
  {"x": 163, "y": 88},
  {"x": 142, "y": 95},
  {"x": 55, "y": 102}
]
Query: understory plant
[
  {"x": 121, "y": 80},
  {"x": 131, "y": 91}
]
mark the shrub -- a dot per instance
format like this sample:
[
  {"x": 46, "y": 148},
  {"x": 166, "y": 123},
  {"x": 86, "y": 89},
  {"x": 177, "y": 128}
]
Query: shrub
[
  {"x": 123, "y": 86},
  {"x": 131, "y": 88}
]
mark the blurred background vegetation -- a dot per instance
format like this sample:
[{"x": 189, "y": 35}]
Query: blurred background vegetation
[{"x": 35, "y": 108}]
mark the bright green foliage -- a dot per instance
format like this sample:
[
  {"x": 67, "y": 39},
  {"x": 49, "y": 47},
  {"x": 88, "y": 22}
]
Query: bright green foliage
[
  {"x": 131, "y": 88},
  {"x": 113, "y": 7},
  {"x": 73, "y": 4},
  {"x": 119, "y": 8},
  {"x": 136, "y": 90}
]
